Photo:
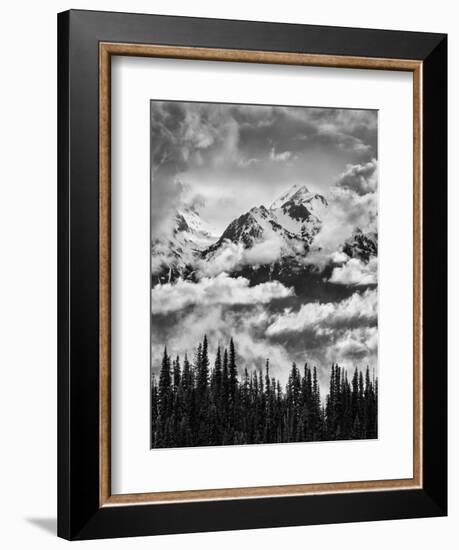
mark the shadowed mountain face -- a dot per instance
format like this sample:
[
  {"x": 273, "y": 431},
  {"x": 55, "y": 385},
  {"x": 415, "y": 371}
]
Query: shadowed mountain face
[
  {"x": 274, "y": 243},
  {"x": 361, "y": 245},
  {"x": 248, "y": 229},
  {"x": 294, "y": 218}
]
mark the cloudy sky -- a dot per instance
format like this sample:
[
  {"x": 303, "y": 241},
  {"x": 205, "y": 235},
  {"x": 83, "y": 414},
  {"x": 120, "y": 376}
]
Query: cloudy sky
[
  {"x": 224, "y": 159},
  {"x": 235, "y": 156}
]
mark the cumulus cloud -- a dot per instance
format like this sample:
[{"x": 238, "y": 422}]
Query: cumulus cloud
[
  {"x": 244, "y": 162},
  {"x": 320, "y": 334},
  {"x": 279, "y": 157},
  {"x": 356, "y": 344},
  {"x": 352, "y": 203},
  {"x": 359, "y": 309},
  {"x": 360, "y": 178},
  {"x": 227, "y": 258},
  {"x": 220, "y": 323},
  {"x": 264, "y": 252},
  {"x": 347, "y": 210},
  {"x": 185, "y": 136},
  {"x": 325, "y": 333},
  {"x": 230, "y": 257},
  {"x": 356, "y": 273},
  {"x": 221, "y": 289}
]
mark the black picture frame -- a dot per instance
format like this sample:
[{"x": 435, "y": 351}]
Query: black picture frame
[{"x": 80, "y": 515}]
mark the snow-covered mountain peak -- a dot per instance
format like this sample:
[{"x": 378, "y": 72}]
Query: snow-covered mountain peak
[
  {"x": 191, "y": 235},
  {"x": 300, "y": 211},
  {"x": 298, "y": 193},
  {"x": 190, "y": 222}
]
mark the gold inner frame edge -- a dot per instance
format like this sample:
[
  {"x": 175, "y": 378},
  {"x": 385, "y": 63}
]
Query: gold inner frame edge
[{"x": 106, "y": 51}]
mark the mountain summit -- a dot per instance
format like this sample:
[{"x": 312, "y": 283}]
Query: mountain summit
[
  {"x": 297, "y": 194},
  {"x": 300, "y": 212},
  {"x": 289, "y": 224},
  {"x": 172, "y": 255}
]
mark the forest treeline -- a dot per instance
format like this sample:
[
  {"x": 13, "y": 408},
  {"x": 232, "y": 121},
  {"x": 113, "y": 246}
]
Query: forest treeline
[{"x": 194, "y": 403}]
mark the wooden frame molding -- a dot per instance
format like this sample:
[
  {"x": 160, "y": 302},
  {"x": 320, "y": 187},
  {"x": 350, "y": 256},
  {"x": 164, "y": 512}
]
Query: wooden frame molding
[{"x": 106, "y": 51}]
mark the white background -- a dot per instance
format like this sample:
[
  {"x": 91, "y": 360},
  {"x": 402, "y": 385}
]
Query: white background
[
  {"x": 28, "y": 272},
  {"x": 134, "y": 466}
]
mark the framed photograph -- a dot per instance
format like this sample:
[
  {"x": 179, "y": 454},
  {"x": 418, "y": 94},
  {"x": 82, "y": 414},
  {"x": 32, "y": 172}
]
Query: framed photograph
[{"x": 252, "y": 275}]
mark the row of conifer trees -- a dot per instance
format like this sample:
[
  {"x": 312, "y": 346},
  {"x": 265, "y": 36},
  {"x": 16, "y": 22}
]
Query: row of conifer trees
[{"x": 194, "y": 404}]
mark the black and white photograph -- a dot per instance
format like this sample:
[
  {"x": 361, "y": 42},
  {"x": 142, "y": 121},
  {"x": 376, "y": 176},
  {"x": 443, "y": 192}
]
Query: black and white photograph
[
  {"x": 264, "y": 255},
  {"x": 229, "y": 298}
]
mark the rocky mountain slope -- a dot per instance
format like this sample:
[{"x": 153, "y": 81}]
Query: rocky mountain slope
[{"x": 272, "y": 243}]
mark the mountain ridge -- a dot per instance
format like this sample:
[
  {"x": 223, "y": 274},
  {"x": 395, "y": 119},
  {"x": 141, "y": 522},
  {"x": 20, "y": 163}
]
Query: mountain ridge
[{"x": 284, "y": 233}]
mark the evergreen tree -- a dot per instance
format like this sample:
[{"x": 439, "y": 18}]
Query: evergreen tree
[
  {"x": 203, "y": 368},
  {"x": 317, "y": 427},
  {"x": 217, "y": 375},
  {"x": 164, "y": 390},
  {"x": 176, "y": 370},
  {"x": 164, "y": 400},
  {"x": 225, "y": 389},
  {"x": 154, "y": 410},
  {"x": 232, "y": 370},
  {"x": 199, "y": 405}
]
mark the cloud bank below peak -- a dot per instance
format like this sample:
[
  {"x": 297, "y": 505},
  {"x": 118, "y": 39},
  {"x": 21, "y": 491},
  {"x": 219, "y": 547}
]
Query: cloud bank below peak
[{"x": 219, "y": 290}]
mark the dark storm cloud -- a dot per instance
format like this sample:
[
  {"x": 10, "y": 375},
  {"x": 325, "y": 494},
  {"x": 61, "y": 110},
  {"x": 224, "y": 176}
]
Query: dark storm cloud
[
  {"x": 294, "y": 129},
  {"x": 185, "y": 134}
]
